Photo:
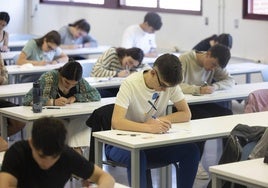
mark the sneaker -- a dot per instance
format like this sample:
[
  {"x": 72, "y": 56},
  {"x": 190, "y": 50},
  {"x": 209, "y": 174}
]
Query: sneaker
[{"x": 202, "y": 174}]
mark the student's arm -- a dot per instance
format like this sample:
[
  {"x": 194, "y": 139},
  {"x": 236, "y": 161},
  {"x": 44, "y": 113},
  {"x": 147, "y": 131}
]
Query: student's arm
[
  {"x": 89, "y": 41},
  {"x": 7, "y": 180},
  {"x": 119, "y": 121},
  {"x": 3, "y": 72},
  {"x": 102, "y": 178},
  {"x": 23, "y": 60},
  {"x": 5, "y": 48},
  {"x": 62, "y": 58},
  {"x": 183, "y": 113}
]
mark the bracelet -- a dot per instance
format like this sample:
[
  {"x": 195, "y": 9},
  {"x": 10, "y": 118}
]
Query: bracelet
[{"x": 54, "y": 102}]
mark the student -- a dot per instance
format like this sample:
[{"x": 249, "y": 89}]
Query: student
[
  {"x": 143, "y": 35},
  {"x": 4, "y": 20},
  {"x": 46, "y": 161},
  {"x": 14, "y": 126},
  {"x": 41, "y": 52},
  {"x": 224, "y": 39},
  {"x": 66, "y": 86},
  {"x": 141, "y": 106},
  {"x": 117, "y": 62},
  {"x": 76, "y": 35},
  {"x": 205, "y": 73}
]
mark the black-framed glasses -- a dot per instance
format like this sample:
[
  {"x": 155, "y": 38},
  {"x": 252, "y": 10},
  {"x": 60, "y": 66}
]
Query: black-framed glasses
[{"x": 161, "y": 84}]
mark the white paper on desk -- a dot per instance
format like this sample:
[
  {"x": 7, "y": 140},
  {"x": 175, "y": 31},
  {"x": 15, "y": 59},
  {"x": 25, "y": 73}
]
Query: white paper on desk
[
  {"x": 26, "y": 65},
  {"x": 98, "y": 79}
]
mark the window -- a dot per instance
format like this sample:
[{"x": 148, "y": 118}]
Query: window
[
  {"x": 193, "y": 7},
  {"x": 255, "y": 9}
]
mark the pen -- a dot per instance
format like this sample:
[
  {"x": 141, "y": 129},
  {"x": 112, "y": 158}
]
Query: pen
[
  {"x": 204, "y": 84},
  {"x": 52, "y": 107},
  {"x": 152, "y": 105},
  {"x": 122, "y": 134}
]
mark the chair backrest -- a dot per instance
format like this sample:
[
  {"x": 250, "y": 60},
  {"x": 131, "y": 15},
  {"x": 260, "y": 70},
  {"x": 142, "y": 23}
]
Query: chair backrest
[
  {"x": 264, "y": 74},
  {"x": 257, "y": 101},
  {"x": 87, "y": 68},
  {"x": 99, "y": 120}
]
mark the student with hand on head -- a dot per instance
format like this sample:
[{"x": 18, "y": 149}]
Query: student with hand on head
[
  {"x": 14, "y": 126},
  {"x": 204, "y": 72},
  {"x": 224, "y": 39},
  {"x": 41, "y": 52},
  {"x": 76, "y": 35},
  {"x": 44, "y": 160},
  {"x": 117, "y": 62},
  {"x": 66, "y": 86},
  {"x": 143, "y": 35},
  {"x": 4, "y": 20},
  {"x": 141, "y": 106}
]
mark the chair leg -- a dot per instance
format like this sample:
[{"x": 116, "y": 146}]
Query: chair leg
[{"x": 149, "y": 178}]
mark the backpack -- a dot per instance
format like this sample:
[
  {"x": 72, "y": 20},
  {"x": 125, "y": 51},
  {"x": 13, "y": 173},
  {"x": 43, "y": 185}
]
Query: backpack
[{"x": 239, "y": 145}]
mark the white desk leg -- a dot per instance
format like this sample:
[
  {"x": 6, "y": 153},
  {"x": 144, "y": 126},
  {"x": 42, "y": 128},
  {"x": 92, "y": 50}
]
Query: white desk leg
[
  {"x": 248, "y": 78},
  {"x": 166, "y": 176},
  {"x": 216, "y": 182},
  {"x": 135, "y": 168},
  {"x": 98, "y": 152}
]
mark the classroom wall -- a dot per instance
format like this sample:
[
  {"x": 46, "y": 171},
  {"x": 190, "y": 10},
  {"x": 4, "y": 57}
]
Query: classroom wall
[{"x": 182, "y": 31}]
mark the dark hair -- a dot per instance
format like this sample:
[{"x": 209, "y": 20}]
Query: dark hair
[
  {"x": 81, "y": 24},
  {"x": 52, "y": 36},
  {"x": 48, "y": 135},
  {"x": 135, "y": 53},
  {"x": 170, "y": 69},
  {"x": 222, "y": 53},
  {"x": 153, "y": 20},
  {"x": 4, "y": 16},
  {"x": 225, "y": 39},
  {"x": 72, "y": 70}
]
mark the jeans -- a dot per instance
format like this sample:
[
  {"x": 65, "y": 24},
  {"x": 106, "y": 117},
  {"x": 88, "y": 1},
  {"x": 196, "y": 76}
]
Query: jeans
[{"x": 186, "y": 154}]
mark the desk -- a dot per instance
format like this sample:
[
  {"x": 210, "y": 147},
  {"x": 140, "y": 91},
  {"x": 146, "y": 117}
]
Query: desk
[
  {"x": 180, "y": 133},
  {"x": 252, "y": 173},
  {"x": 25, "y": 113},
  {"x": 14, "y": 71}
]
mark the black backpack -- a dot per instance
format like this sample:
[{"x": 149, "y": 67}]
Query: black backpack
[{"x": 240, "y": 143}]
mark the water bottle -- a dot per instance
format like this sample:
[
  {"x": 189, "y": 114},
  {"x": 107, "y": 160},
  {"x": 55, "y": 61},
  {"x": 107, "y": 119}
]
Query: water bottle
[{"x": 37, "y": 94}]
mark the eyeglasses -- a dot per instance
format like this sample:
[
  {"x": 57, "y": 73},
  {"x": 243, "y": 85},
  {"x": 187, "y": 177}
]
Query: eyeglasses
[{"x": 161, "y": 84}]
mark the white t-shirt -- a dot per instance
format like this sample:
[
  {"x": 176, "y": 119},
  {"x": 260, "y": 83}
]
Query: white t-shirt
[
  {"x": 134, "y": 36},
  {"x": 134, "y": 96}
]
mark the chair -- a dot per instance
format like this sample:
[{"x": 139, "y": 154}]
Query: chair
[
  {"x": 264, "y": 74},
  {"x": 257, "y": 101},
  {"x": 101, "y": 120}
]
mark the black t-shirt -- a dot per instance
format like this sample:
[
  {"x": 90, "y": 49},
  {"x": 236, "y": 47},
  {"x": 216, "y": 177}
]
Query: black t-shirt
[{"x": 19, "y": 162}]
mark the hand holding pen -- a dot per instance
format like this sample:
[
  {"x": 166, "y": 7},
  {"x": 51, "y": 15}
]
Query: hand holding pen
[
  {"x": 159, "y": 126},
  {"x": 206, "y": 89}
]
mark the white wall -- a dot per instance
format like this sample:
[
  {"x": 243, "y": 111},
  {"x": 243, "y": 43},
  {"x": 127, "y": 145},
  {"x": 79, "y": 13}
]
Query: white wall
[{"x": 183, "y": 31}]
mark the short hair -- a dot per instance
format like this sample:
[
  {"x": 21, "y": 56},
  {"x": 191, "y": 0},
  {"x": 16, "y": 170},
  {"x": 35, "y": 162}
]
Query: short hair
[
  {"x": 225, "y": 39},
  {"x": 170, "y": 68},
  {"x": 153, "y": 20},
  {"x": 81, "y": 24},
  {"x": 135, "y": 53},
  {"x": 222, "y": 53},
  {"x": 48, "y": 135},
  {"x": 71, "y": 70},
  {"x": 4, "y": 16},
  {"x": 52, "y": 36}
]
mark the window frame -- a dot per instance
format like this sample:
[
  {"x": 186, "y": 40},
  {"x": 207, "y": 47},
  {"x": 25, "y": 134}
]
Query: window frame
[
  {"x": 115, "y": 4},
  {"x": 247, "y": 15}
]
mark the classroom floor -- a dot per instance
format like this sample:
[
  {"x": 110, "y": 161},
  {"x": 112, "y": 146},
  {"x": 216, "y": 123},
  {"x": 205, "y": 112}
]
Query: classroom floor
[{"x": 212, "y": 153}]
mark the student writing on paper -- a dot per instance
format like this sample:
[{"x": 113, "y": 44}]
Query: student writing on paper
[
  {"x": 66, "y": 86},
  {"x": 133, "y": 112},
  {"x": 4, "y": 20},
  {"x": 41, "y": 52}
]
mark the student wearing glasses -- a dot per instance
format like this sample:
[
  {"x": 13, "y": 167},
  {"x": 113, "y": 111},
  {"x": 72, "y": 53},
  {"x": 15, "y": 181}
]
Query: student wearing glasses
[
  {"x": 204, "y": 73},
  {"x": 66, "y": 86},
  {"x": 117, "y": 62},
  {"x": 141, "y": 106},
  {"x": 40, "y": 52}
]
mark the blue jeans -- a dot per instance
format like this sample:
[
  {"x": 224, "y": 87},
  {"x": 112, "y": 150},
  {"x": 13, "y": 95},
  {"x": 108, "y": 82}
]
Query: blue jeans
[{"x": 186, "y": 154}]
